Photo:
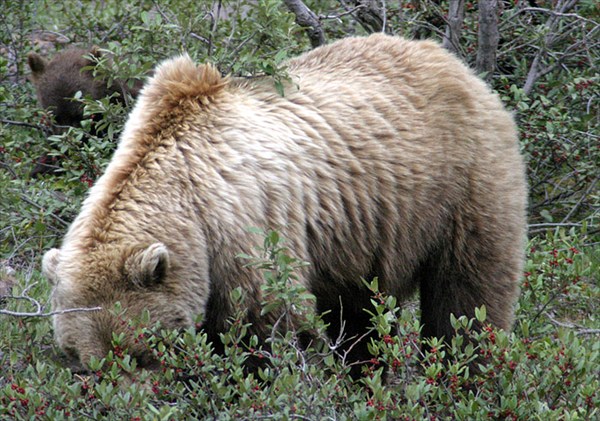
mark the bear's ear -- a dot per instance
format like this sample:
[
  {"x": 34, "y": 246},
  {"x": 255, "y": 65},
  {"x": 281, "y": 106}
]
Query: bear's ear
[
  {"x": 49, "y": 264},
  {"x": 36, "y": 63},
  {"x": 148, "y": 267}
]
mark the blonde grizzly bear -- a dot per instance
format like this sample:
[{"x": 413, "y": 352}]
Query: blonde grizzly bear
[{"x": 385, "y": 158}]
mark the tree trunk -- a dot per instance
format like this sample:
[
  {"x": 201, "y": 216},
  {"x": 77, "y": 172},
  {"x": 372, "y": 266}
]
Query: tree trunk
[
  {"x": 488, "y": 37},
  {"x": 456, "y": 16}
]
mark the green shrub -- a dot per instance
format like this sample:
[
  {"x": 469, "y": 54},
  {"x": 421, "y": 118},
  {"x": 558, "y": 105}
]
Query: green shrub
[{"x": 546, "y": 368}]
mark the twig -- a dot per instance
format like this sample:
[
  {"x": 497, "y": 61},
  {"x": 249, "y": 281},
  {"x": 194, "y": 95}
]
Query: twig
[
  {"x": 235, "y": 51},
  {"x": 579, "y": 330},
  {"x": 555, "y": 13},
  {"x": 383, "y": 16},
  {"x": 199, "y": 38},
  {"x": 161, "y": 11},
  {"x": 338, "y": 16},
  {"x": 553, "y": 225},
  {"x": 24, "y": 124},
  {"x": 580, "y": 201},
  {"x": 32, "y": 203},
  {"x": 9, "y": 169},
  {"x": 39, "y": 312}
]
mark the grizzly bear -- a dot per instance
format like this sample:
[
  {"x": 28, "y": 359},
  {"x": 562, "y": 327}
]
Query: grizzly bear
[
  {"x": 56, "y": 82},
  {"x": 384, "y": 158}
]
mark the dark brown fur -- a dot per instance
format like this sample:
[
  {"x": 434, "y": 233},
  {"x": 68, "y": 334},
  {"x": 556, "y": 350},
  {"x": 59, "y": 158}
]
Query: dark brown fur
[{"x": 56, "y": 83}]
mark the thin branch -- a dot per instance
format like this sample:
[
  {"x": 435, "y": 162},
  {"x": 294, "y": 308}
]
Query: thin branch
[
  {"x": 199, "y": 38},
  {"x": 8, "y": 168},
  {"x": 579, "y": 330},
  {"x": 40, "y": 127},
  {"x": 234, "y": 53},
  {"x": 214, "y": 22},
  {"x": 338, "y": 16},
  {"x": 60, "y": 37},
  {"x": 39, "y": 307},
  {"x": 53, "y": 216},
  {"x": 581, "y": 199},
  {"x": 40, "y": 313},
  {"x": 156, "y": 6},
  {"x": 555, "y": 13},
  {"x": 554, "y": 225}
]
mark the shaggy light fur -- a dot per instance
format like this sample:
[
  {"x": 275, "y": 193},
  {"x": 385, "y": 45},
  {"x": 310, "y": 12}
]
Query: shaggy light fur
[{"x": 385, "y": 158}]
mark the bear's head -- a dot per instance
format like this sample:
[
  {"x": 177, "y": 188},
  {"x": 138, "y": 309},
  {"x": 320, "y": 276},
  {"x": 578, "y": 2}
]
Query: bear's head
[
  {"x": 58, "y": 80},
  {"x": 139, "y": 278}
]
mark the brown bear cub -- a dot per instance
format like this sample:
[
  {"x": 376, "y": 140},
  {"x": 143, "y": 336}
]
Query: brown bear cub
[
  {"x": 56, "y": 83},
  {"x": 385, "y": 158}
]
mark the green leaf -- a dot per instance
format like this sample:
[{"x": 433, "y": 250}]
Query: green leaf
[
  {"x": 544, "y": 213},
  {"x": 480, "y": 313}
]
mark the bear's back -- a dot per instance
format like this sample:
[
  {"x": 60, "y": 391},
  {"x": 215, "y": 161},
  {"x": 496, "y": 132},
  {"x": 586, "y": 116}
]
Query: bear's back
[{"x": 368, "y": 130}]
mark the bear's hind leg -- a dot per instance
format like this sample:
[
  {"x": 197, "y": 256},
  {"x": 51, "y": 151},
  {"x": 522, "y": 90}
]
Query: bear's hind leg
[
  {"x": 349, "y": 323},
  {"x": 457, "y": 282}
]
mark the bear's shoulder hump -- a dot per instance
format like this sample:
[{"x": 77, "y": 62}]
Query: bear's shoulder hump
[{"x": 179, "y": 78}]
